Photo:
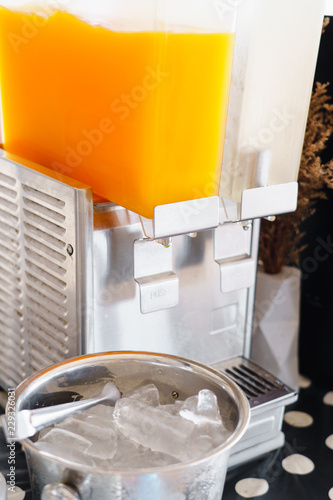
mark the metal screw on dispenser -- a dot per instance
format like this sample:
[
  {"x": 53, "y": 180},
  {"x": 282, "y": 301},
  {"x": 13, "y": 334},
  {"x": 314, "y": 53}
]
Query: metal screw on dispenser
[
  {"x": 70, "y": 250},
  {"x": 59, "y": 491}
]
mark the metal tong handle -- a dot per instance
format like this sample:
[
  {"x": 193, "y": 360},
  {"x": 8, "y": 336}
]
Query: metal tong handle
[{"x": 28, "y": 422}]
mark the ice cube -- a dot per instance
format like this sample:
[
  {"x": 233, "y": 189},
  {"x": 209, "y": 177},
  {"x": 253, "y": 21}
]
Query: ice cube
[
  {"x": 147, "y": 394},
  {"x": 62, "y": 437},
  {"x": 202, "y": 409},
  {"x": 152, "y": 427},
  {"x": 138, "y": 432},
  {"x": 66, "y": 444},
  {"x": 209, "y": 432},
  {"x": 125, "y": 451},
  {"x": 173, "y": 408},
  {"x": 72, "y": 455},
  {"x": 101, "y": 434},
  {"x": 100, "y": 410}
]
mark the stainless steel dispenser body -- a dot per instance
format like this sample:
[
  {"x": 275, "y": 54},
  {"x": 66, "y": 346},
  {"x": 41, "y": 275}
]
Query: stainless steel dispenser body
[
  {"x": 88, "y": 280},
  {"x": 85, "y": 273}
]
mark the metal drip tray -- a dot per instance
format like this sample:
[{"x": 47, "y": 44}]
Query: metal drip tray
[
  {"x": 259, "y": 386},
  {"x": 267, "y": 398}
]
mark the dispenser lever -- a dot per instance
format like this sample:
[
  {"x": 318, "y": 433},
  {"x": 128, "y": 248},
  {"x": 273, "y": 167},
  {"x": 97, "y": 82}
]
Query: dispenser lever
[
  {"x": 237, "y": 274},
  {"x": 158, "y": 284}
]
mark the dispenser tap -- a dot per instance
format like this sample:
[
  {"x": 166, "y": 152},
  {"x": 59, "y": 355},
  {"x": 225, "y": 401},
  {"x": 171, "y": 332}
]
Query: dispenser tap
[{"x": 159, "y": 285}]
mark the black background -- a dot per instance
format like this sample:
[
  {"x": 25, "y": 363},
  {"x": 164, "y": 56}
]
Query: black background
[{"x": 316, "y": 330}]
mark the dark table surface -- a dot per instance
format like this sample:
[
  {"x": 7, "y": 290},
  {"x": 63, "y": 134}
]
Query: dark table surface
[{"x": 309, "y": 441}]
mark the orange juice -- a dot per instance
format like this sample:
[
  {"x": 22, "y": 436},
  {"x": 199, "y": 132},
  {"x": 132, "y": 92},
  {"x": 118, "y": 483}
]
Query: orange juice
[{"x": 139, "y": 116}]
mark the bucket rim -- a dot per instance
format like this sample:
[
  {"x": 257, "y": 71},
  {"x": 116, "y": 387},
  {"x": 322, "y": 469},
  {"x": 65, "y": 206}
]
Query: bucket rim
[{"x": 227, "y": 384}]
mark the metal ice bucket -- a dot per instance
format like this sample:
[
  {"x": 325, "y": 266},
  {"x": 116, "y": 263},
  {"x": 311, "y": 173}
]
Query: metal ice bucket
[{"x": 199, "y": 479}]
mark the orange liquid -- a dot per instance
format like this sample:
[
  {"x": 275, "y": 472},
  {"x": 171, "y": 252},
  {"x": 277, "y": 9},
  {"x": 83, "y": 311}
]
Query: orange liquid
[{"x": 139, "y": 116}]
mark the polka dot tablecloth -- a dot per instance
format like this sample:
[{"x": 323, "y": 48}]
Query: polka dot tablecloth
[{"x": 301, "y": 470}]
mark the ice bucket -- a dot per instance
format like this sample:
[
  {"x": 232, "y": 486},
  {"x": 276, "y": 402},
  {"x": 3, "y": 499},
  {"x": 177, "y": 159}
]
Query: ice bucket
[{"x": 198, "y": 479}]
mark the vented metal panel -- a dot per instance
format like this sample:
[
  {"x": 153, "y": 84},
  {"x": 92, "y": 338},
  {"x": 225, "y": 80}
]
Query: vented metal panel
[
  {"x": 46, "y": 276},
  {"x": 12, "y": 346},
  {"x": 43, "y": 280},
  {"x": 259, "y": 386}
]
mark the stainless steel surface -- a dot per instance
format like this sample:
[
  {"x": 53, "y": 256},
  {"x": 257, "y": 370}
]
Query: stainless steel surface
[
  {"x": 265, "y": 426},
  {"x": 267, "y": 398},
  {"x": 206, "y": 324},
  {"x": 258, "y": 449},
  {"x": 115, "y": 274},
  {"x": 184, "y": 217},
  {"x": 101, "y": 304},
  {"x": 231, "y": 241},
  {"x": 45, "y": 267},
  {"x": 232, "y": 251},
  {"x": 59, "y": 491},
  {"x": 200, "y": 478},
  {"x": 260, "y": 386},
  {"x": 261, "y": 202},
  {"x": 29, "y": 422}
]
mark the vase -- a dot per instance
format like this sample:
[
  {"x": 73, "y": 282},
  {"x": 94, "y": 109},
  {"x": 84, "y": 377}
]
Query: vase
[{"x": 276, "y": 324}]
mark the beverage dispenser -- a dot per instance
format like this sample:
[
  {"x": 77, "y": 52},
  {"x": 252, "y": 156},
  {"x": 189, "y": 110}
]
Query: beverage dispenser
[{"x": 118, "y": 229}]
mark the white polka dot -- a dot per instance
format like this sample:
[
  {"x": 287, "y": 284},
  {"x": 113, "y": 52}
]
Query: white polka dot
[
  {"x": 298, "y": 464},
  {"x": 18, "y": 495},
  {"x": 329, "y": 442},
  {"x": 298, "y": 419},
  {"x": 252, "y": 487},
  {"x": 328, "y": 398},
  {"x": 304, "y": 382},
  {"x": 330, "y": 494}
]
